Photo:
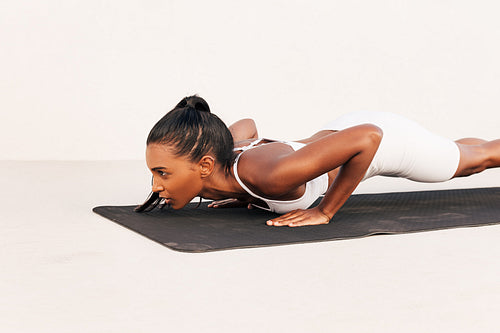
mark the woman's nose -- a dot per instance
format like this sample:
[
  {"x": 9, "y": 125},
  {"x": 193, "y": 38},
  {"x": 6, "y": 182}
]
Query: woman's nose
[{"x": 157, "y": 187}]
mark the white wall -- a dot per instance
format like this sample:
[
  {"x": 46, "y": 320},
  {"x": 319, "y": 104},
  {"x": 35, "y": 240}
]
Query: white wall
[{"x": 88, "y": 79}]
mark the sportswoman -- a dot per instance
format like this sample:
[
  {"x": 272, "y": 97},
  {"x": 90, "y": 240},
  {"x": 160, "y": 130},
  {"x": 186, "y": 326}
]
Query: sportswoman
[{"x": 192, "y": 153}]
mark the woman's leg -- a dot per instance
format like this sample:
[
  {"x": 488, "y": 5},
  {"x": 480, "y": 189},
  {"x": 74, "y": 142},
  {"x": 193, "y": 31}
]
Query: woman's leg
[
  {"x": 471, "y": 141},
  {"x": 476, "y": 155}
]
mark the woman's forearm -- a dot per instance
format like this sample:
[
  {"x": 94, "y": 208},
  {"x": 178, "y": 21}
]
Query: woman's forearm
[
  {"x": 351, "y": 149},
  {"x": 348, "y": 178}
]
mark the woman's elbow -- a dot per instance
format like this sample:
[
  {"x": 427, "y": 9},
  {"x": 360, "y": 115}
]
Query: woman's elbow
[
  {"x": 243, "y": 129},
  {"x": 377, "y": 134},
  {"x": 252, "y": 128},
  {"x": 373, "y": 136}
]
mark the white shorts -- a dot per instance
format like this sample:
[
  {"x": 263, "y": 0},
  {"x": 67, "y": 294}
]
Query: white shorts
[{"x": 407, "y": 149}]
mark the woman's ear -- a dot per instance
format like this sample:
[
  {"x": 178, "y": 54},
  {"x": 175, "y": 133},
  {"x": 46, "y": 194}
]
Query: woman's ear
[{"x": 207, "y": 165}]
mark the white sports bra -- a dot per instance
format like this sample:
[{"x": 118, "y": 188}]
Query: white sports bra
[{"x": 314, "y": 188}]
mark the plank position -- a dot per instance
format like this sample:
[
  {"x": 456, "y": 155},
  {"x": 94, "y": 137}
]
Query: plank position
[{"x": 191, "y": 153}]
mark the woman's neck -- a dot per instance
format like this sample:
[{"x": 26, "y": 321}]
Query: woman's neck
[{"x": 220, "y": 186}]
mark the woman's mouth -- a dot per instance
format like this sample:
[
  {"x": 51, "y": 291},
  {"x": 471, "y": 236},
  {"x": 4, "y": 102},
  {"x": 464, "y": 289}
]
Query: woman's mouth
[{"x": 166, "y": 202}]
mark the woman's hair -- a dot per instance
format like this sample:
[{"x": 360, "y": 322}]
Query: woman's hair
[{"x": 191, "y": 130}]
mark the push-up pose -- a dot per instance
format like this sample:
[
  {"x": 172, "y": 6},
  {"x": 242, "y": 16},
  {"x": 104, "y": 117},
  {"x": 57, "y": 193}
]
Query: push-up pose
[{"x": 192, "y": 153}]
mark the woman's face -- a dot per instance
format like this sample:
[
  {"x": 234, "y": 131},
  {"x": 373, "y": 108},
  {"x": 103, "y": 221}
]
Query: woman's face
[{"x": 175, "y": 178}]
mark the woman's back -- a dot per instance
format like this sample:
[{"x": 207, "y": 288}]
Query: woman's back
[{"x": 259, "y": 160}]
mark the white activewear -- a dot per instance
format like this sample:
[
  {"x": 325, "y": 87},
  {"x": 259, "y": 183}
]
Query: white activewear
[{"x": 407, "y": 150}]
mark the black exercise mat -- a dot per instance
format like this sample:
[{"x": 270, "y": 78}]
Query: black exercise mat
[{"x": 208, "y": 229}]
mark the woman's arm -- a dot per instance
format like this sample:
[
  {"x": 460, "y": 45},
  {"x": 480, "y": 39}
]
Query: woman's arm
[
  {"x": 352, "y": 149},
  {"x": 243, "y": 129}
]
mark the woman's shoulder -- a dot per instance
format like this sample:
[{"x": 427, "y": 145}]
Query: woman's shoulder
[
  {"x": 262, "y": 151},
  {"x": 257, "y": 167}
]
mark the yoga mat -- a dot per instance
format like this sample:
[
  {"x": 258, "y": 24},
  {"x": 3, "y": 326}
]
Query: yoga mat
[{"x": 208, "y": 229}]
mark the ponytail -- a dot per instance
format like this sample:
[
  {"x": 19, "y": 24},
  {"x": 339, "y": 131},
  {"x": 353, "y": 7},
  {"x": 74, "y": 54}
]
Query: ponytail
[
  {"x": 195, "y": 102},
  {"x": 191, "y": 130}
]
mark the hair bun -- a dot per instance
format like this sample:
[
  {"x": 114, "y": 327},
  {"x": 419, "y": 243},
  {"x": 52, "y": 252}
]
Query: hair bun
[{"x": 195, "y": 102}]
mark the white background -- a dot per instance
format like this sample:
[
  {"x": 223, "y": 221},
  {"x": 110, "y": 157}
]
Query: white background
[{"x": 86, "y": 80}]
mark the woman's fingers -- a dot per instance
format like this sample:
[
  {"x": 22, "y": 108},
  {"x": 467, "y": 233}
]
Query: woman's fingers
[
  {"x": 305, "y": 222},
  {"x": 228, "y": 203},
  {"x": 300, "y": 217},
  {"x": 222, "y": 203},
  {"x": 291, "y": 217}
]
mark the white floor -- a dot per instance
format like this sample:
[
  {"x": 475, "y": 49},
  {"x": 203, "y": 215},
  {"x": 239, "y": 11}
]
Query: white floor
[{"x": 66, "y": 269}]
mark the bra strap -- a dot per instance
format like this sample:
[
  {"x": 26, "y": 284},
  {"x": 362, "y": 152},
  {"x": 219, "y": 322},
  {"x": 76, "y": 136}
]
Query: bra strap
[{"x": 249, "y": 146}]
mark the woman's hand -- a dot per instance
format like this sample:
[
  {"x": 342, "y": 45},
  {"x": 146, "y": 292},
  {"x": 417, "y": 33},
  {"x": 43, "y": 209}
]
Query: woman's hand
[
  {"x": 229, "y": 203},
  {"x": 350, "y": 150},
  {"x": 301, "y": 217}
]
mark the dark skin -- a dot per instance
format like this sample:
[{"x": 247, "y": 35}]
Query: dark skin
[
  {"x": 286, "y": 172},
  {"x": 289, "y": 171},
  {"x": 245, "y": 132},
  {"x": 275, "y": 171}
]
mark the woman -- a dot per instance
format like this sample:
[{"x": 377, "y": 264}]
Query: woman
[{"x": 192, "y": 153}]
